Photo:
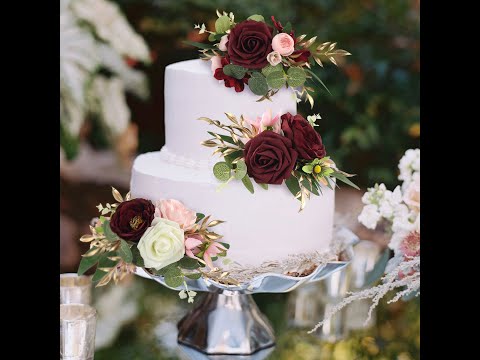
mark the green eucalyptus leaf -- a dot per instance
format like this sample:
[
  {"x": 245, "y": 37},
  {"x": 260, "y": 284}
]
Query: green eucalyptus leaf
[
  {"x": 287, "y": 28},
  {"x": 194, "y": 276},
  {"x": 263, "y": 186},
  {"x": 211, "y": 37},
  {"x": 267, "y": 70},
  {"x": 221, "y": 170},
  {"x": 296, "y": 76},
  {"x": 174, "y": 277},
  {"x": 258, "y": 84},
  {"x": 293, "y": 185},
  {"x": 165, "y": 269},
  {"x": 248, "y": 184},
  {"x": 241, "y": 170},
  {"x": 124, "y": 251},
  {"x": 236, "y": 71},
  {"x": 188, "y": 263},
  {"x": 222, "y": 24},
  {"x": 256, "y": 17},
  {"x": 276, "y": 79},
  {"x": 227, "y": 245}
]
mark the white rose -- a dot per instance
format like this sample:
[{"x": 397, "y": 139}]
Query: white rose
[
  {"x": 162, "y": 244},
  {"x": 369, "y": 216},
  {"x": 222, "y": 45}
]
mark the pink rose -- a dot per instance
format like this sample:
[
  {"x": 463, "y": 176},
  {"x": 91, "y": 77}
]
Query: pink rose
[
  {"x": 274, "y": 58},
  {"x": 175, "y": 211},
  {"x": 283, "y": 44},
  {"x": 216, "y": 63},
  {"x": 222, "y": 45}
]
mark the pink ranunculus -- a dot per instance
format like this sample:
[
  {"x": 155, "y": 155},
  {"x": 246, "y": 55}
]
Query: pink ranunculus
[
  {"x": 222, "y": 45},
  {"x": 175, "y": 211},
  {"x": 274, "y": 58},
  {"x": 191, "y": 245},
  {"x": 213, "y": 250},
  {"x": 410, "y": 245},
  {"x": 216, "y": 63},
  {"x": 283, "y": 44}
]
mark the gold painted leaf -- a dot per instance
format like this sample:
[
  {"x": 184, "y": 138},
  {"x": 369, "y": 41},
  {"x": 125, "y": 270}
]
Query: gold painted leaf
[
  {"x": 300, "y": 38},
  {"x": 318, "y": 61},
  {"x": 232, "y": 118},
  {"x": 87, "y": 238},
  {"x": 310, "y": 42},
  {"x": 116, "y": 195},
  {"x": 332, "y": 59},
  {"x": 128, "y": 196},
  {"x": 215, "y": 223}
]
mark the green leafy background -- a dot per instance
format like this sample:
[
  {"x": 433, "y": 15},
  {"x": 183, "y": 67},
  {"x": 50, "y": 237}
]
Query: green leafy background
[{"x": 373, "y": 113}]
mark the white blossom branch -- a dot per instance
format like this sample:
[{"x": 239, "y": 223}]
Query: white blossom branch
[{"x": 390, "y": 281}]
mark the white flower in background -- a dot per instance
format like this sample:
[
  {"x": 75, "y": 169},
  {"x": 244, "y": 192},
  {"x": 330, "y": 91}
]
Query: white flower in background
[
  {"x": 109, "y": 98},
  {"x": 408, "y": 165},
  {"x": 412, "y": 193},
  {"x": 83, "y": 91},
  {"x": 112, "y": 27},
  {"x": 369, "y": 216}
]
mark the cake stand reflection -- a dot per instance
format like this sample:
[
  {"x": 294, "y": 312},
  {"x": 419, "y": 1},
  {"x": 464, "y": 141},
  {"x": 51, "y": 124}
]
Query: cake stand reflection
[{"x": 227, "y": 321}]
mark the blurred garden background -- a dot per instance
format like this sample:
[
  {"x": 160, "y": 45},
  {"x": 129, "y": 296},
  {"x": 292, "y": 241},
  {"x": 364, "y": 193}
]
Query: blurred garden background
[{"x": 112, "y": 60}]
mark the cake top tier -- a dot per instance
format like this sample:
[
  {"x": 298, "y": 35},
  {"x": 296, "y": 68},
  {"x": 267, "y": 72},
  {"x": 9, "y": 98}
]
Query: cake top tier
[{"x": 192, "y": 92}]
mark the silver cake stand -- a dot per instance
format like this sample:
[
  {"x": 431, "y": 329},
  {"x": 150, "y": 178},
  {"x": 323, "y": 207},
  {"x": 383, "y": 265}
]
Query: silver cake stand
[{"x": 227, "y": 320}]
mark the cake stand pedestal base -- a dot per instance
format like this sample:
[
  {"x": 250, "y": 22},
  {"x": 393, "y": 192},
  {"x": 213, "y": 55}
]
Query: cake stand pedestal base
[{"x": 227, "y": 323}]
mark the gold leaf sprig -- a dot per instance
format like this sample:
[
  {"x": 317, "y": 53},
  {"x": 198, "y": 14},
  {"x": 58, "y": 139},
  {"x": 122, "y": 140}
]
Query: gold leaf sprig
[
  {"x": 220, "y": 276},
  {"x": 202, "y": 230},
  {"x": 117, "y": 272},
  {"x": 328, "y": 52}
]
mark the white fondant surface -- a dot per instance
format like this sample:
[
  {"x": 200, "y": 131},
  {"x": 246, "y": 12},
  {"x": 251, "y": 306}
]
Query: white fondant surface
[
  {"x": 191, "y": 92},
  {"x": 259, "y": 227}
]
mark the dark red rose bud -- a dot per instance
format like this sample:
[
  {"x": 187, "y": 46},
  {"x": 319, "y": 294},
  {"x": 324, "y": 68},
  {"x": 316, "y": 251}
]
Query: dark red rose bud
[
  {"x": 249, "y": 43},
  {"x": 132, "y": 218},
  {"x": 238, "y": 84},
  {"x": 304, "y": 55},
  {"x": 270, "y": 158},
  {"x": 277, "y": 24},
  {"x": 305, "y": 139}
]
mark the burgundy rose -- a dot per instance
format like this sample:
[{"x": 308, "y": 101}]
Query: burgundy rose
[
  {"x": 230, "y": 81},
  {"x": 305, "y": 139},
  {"x": 304, "y": 55},
  {"x": 132, "y": 218},
  {"x": 249, "y": 43},
  {"x": 270, "y": 157}
]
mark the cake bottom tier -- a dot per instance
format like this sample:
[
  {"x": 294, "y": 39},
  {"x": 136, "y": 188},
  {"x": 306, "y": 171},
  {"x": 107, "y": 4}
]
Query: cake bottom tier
[{"x": 259, "y": 227}]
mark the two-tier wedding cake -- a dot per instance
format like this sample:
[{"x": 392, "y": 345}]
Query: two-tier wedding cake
[{"x": 259, "y": 227}]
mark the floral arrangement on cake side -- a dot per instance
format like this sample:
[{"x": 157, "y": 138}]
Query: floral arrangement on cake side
[
  {"x": 274, "y": 149},
  {"x": 165, "y": 238},
  {"x": 398, "y": 212},
  {"x": 264, "y": 57}
]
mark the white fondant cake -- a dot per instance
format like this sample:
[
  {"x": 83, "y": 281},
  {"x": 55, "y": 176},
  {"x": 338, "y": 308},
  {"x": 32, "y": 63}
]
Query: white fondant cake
[{"x": 259, "y": 227}]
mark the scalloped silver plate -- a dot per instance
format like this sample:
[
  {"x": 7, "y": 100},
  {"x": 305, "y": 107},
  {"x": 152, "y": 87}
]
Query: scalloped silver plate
[{"x": 270, "y": 282}]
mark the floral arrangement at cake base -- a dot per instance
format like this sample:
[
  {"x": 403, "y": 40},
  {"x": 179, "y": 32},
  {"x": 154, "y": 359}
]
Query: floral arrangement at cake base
[
  {"x": 272, "y": 150},
  {"x": 264, "y": 56},
  {"x": 398, "y": 212},
  {"x": 165, "y": 238}
]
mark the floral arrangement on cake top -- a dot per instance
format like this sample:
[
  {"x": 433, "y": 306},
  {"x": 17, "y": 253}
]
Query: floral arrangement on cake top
[
  {"x": 165, "y": 238},
  {"x": 263, "y": 56},
  {"x": 274, "y": 149},
  {"x": 398, "y": 212}
]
